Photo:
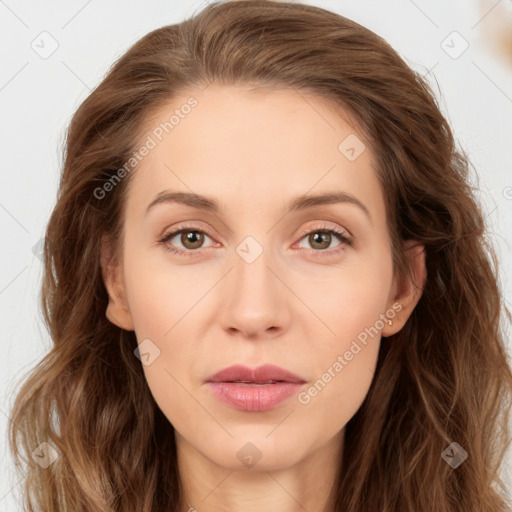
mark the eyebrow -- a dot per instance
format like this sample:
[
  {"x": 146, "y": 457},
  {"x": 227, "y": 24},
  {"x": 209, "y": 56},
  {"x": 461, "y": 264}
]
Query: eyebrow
[{"x": 298, "y": 204}]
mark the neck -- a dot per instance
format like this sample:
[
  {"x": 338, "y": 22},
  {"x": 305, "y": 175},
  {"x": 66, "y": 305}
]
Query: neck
[{"x": 306, "y": 485}]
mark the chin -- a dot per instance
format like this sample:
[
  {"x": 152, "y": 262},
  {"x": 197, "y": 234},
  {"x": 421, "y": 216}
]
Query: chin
[{"x": 257, "y": 452}]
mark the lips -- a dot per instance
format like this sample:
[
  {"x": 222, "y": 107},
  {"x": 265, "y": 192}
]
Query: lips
[
  {"x": 254, "y": 390},
  {"x": 266, "y": 374}
]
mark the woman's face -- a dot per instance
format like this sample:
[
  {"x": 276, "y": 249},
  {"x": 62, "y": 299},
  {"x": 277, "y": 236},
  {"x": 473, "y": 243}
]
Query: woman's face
[{"x": 258, "y": 281}]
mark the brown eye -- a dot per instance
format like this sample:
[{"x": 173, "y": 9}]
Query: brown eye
[
  {"x": 320, "y": 240},
  {"x": 185, "y": 241},
  {"x": 192, "y": 239}
]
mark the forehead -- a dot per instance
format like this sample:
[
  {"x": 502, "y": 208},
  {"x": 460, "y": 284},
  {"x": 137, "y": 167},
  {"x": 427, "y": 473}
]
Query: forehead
[{"x": 254, "y": 148}]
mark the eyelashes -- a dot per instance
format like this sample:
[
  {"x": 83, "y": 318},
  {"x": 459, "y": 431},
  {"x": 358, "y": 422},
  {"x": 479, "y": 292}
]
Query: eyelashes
[{"x": 344, "y": 239}]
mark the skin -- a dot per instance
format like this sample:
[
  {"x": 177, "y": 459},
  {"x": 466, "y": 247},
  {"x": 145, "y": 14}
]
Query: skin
[{"x": 254, "y": 151}]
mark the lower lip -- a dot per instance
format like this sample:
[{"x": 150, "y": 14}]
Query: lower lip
[{"x": 253, "y": 397}]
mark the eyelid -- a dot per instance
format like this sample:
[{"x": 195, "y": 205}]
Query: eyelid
[
  {"x": 170, "y": 234},
  {"x": 325, "y": 227},
  {"x": 344, "y": 237}
]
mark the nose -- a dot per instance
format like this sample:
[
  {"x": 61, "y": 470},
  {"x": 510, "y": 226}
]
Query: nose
[{"x": 256, "y": 304}]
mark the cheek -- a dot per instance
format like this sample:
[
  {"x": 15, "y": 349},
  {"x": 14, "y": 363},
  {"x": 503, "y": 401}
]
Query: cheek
[
  {"x": 161, "y": 301},
  {"x": 351, "y": 304},
  {"x": 166, "y": 306},
  {"x": 159, "y": 294},
  {"x": 349, "y": 299},
  {"x": 345, "y": 363}
]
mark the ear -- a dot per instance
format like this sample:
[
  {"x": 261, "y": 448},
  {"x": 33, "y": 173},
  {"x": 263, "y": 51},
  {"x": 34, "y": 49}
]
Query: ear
[
  {"x": 117, "y": 311},
  {"x": 406, "y": 294}
]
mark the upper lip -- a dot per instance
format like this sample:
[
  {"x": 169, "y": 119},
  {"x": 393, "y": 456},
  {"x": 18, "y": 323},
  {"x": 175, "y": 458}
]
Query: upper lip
[{"x": 261, "y": 374}]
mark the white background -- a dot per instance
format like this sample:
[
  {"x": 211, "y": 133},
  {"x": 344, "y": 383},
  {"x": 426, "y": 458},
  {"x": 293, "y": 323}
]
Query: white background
[{"x": 38, "y": 97}]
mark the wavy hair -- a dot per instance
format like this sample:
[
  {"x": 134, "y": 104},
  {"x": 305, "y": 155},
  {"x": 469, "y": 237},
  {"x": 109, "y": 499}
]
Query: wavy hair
[{"x": 443, "y": 378}]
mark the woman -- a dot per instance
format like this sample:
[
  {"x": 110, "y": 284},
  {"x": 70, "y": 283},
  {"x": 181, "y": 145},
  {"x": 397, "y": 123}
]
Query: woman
[{"x": 267, "y": 283}]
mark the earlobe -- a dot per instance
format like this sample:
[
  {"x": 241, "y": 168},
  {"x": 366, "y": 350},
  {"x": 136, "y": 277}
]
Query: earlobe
[
  {"x": 408, "y": 293},
  {"x": 117, "y": 312}
]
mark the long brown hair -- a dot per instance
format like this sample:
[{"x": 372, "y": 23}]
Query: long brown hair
[{"x": 443, "y": 378}]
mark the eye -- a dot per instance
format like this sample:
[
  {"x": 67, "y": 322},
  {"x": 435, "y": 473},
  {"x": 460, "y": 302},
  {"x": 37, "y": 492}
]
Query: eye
[
  {"x": 321, "y": 238},
  {"x": 192, "y": 240},
  {"x": 190, "y": 237}
]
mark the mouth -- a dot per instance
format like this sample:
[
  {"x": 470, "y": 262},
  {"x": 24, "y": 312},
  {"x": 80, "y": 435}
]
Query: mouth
[
  {"x": 254, "y": 390},
  {"x": 265, "y": 374},
  {"x": 254, "y": 383}
]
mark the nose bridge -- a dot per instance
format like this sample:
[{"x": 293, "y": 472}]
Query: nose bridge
[
  {"x": 252, "y": 277},
  {"x": 254, "y": 300},
  {"x": 251, "y": 263}
]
